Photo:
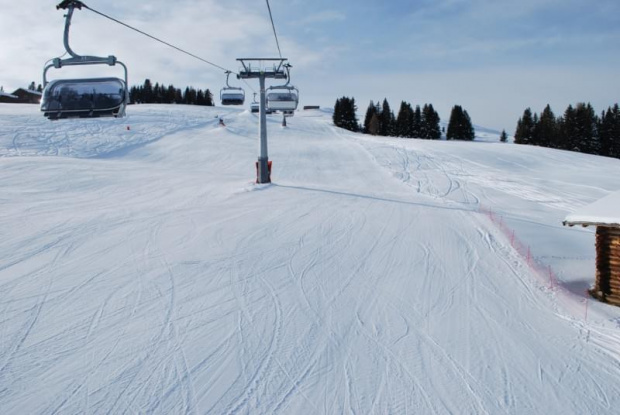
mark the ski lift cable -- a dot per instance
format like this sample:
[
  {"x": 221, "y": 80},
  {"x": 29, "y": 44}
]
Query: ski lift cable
[
  {"x": 161, "y": 41},
  {"x": 274, "y": 28}
]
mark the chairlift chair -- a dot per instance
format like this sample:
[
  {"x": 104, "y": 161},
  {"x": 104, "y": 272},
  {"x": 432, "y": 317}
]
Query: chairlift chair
[
  {"x": 83, "y": 97},
  {"x": 254, "y": 106},
  {"x": 230, "y": 95},
  {"x": 283, "y": 98}
]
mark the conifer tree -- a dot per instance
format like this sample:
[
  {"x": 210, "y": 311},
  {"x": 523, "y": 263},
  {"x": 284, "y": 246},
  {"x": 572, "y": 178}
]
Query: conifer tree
[
  {"x": 609, "y": 132},
  {"x": 546, "y": 129},
  {"x": 525, "y": 127},
  {"x": 587, "y": 129},
  {"x": 605, "y": 128},
  {"x": 404, "y": 121},
  {"x": 147, "y": 91},
  {"x": 470, "y": 132},
  {"x": 345, "y": 114},
  {"x": 374, "y": 125},
  {"x": 157, "y": 94},
  {"x": 372, "y": 110},
  {"x": 431, "y": 128},
  {"x": 200, "y": 97},
  {"x": 133, "y": 94},
  {"x": 352, "y": 123},
  {"x": 208, "y": 98},
  {"x": 337, "y": 117},
  {"x": 387, "y": 120},
  {"x": 416, "y": 127},
  {"x": 534, "y": 139},
  {"x": 454, "y": 124},
  {"x": 503, "y": 137},
  {"x": 614, "y": 132},
  {"x": 570, "y": 130},
  {"x": 460, "y": 126}
]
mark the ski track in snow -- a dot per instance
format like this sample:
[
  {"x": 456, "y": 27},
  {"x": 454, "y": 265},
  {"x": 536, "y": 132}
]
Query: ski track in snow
[{"x": 143, "y": 272}]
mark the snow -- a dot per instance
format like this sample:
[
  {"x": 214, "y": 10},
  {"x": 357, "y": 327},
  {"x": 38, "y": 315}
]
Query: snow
[
  {"x": 142, "y": 270},
  {"x": 602, "y": 212},
  {"x": 29, "y": 91}
]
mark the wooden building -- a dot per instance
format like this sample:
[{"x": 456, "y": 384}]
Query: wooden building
[
  {"x": 7, "y": 98},
  {"x": 27, "y": 96},
  {"x": 605, "y": 215}
]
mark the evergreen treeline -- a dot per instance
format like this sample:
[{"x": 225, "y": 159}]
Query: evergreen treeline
[
  {"x": 410, "y": 123},
  {"x": 345, "y": 114},
  {"x": 148, "y": 93},
  {"x": 578, "y": 129},
  {"x": 32, "y": 87}
]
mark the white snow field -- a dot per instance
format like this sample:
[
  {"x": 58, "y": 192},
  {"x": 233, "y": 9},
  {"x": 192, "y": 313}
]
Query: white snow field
[{"x": 142, "y": 271}]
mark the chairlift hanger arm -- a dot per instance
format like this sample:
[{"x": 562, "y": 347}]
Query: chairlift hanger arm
[
  {"x": 76, "y": 59},
  {"x": 276, "y": 72},
  {"x": 72, "y": 4}
]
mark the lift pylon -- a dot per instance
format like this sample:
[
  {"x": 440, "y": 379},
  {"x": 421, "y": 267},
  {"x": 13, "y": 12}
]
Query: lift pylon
[{"x": 261, "y": 69}]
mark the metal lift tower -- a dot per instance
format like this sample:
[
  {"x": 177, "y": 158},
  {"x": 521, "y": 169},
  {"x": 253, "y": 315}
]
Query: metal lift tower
[{"x": 262, "y": 68}]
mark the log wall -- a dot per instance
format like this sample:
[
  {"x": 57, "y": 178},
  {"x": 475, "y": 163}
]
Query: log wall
[{"x": 607, "y": 287}]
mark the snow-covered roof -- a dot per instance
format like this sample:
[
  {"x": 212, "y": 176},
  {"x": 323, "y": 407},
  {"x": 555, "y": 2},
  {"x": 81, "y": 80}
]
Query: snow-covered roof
[
  {"x": 30, "y": 91},
  {"x": 604, "y": 212}
]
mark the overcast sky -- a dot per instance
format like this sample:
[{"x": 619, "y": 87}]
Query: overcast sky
[{"x": 493, "y": 57}]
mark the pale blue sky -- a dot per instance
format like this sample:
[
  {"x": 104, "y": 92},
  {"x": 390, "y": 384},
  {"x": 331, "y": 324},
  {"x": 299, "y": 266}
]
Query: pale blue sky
[{"x": 495, "y": 58}]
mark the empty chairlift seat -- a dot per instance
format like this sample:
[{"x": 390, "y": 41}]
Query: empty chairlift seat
[
  {"x": 282, "y": 99},
  {"x": 232, "y": 96},
  {"x": 84, "y": 98}
]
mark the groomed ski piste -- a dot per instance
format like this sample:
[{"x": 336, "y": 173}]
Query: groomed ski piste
[{"x": 143, "y": 271}]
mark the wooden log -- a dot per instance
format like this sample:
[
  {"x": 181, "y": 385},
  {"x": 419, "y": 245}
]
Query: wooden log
[
  {"x": 608, "y": 275},
  {"x": 609, "y": 261},
  {"x": 599, "y": 295},
  {"x": 608, "y": 272},
  {"x": 607, "y": 268},
  {"x": 611, "y": 291},
  {"x": 607, "y": 247},
  {"x": 604, "y": 252},
  {"x": 614, "y": 284},
  {"x": 608, "y": 285},
  {"x": 610, "y": 243}
]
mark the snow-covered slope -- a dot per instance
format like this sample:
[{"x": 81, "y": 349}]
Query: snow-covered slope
[{"x": 142, "y": 271}]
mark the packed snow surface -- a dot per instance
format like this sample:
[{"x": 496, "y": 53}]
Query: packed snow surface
[
  {"x": 604, "y": 211},
  {"x": 142, "y": 271}
]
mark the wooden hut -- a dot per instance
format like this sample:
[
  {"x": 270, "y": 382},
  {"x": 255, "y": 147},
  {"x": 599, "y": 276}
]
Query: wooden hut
[
  {"x": 4, "y": 97},
  {"x": 605, "y": 215},
  {"x": 27, "y": 96}
]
